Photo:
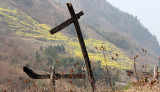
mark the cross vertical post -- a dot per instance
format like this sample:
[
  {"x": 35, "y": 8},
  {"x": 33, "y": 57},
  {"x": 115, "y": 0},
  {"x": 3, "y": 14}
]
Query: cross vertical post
[
  {"x": 82, "y": 44},
  {"x": 52, "y": 77}
]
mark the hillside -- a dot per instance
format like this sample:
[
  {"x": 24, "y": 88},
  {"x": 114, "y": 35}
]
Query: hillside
[
  {"x": 107, "y": 24},
  {"x": 23, "y": 25},
  {"x": 100, "y": 21}
]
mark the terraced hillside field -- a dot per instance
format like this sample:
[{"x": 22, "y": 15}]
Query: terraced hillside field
[{"x": 25, "y": 26}]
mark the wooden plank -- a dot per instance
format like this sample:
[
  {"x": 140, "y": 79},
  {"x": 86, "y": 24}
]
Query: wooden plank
[
  {"x": 66, "y": 23},
  {"x": 34, "y": 75},
  {"x": 83, "y": 47},
  {"x": 70, "y": 76},
  {"x": 155, "y": 73},
  {"x": 52, "y": 77},
  {"x": 133, "y": 74}
]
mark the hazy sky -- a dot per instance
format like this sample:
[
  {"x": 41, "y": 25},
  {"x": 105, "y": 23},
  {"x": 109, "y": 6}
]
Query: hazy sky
[{"x": 147, "y": 11}]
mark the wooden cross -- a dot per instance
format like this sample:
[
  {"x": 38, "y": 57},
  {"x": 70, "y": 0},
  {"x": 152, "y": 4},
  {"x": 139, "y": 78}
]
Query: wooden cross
[
  {"x": 74, "y": 19},
  {"x": 34, "y": 75},
  {"x": 52, "y": 75}
]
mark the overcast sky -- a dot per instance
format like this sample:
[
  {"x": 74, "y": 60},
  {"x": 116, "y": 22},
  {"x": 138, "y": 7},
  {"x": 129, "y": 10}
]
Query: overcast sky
[{"x": 147, "y": 11}]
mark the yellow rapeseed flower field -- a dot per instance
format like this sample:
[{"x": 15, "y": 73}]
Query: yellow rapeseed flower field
[{"x": 22, "y": 24}]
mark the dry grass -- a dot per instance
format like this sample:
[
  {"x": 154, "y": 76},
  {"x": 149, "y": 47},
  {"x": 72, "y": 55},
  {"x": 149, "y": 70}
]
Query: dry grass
[
  {"x": 14, "y": 79},
  {"x": 142, "y": 86},
  {"x": 11, "y": 78}
]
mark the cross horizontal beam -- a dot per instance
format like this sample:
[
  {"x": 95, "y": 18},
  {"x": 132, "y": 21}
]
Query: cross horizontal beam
[
  {"x": 34, "y": 75},
  {"x": 66, "y": 23}
]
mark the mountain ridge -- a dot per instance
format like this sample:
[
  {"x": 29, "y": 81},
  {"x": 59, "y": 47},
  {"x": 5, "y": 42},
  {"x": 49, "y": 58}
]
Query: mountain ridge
[{"x": 100, "y": 18}]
